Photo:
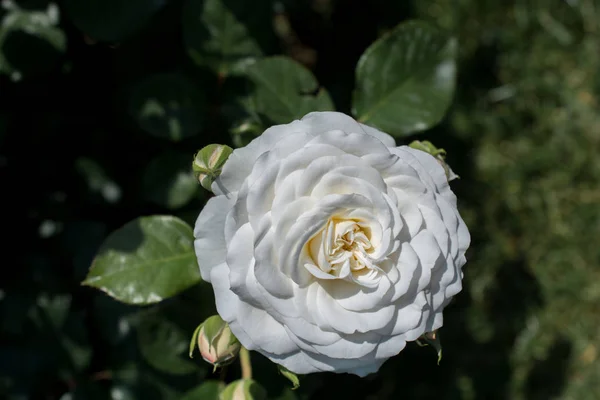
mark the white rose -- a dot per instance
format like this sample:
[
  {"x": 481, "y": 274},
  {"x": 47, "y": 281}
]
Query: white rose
[{"x": 328, "y": 247}]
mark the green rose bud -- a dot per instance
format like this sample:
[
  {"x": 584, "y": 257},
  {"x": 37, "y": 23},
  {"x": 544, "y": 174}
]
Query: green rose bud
[
  {"x": 439, "y": 154},
  {"x": 208, "y": 163},
  {"x": 243, "y": 389},
  {"x": 217, "y": 345}
]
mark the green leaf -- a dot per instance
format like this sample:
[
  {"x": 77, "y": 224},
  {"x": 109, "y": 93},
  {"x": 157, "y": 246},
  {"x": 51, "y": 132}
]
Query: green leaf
[
  {"x": 209, "y": 390},
  {"x": 279, "y": 90},
  {"x": 146, "y": 261},
  {"x": 110, "y": 20},
  {"x": 405, "y": 80},
  {"x": 219, "y": 33},
  {"x": 30, "y": 41},
  {"x": 292, "y": 377},
  {"x": 168, "y": 106},
  {"x": 168, "y": 180},
  {"x": 162, "y": 343}
]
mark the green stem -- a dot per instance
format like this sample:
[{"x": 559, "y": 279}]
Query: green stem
[
  {"x": 245, "y": 363},
  {"x": 222, "y": 376}
]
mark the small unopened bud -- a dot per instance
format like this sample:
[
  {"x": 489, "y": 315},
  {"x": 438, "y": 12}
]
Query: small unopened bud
[
  {"x": 217, "y": 344},
  {"x": 208, "y": 163},
  {"x": 439, "y": 154},
  {"x": 243, "y": 389}
]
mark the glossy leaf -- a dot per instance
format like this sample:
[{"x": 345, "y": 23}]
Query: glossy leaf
[
  {"x": 219, "y": 33},
  {"x": 168, "y": 106},
  {"x": 405, "y": 80},
  {"x": 279, "y": 90},
  {"x": 147, "y": 260},
  {"x": 111, "y": 20},
  {"x": 168, "y": 180}
]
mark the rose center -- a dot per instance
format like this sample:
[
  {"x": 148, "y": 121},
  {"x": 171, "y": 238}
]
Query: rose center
[{"x": 343, "y": 248}]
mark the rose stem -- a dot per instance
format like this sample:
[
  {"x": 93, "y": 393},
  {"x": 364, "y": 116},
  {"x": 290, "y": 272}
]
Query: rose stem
[{"x": 245, "y": 363}]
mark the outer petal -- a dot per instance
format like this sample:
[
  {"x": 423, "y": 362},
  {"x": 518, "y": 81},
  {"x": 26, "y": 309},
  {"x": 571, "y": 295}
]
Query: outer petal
[
  {"x": 209, "y": 232},
  {"x": 240, "y": 162}
]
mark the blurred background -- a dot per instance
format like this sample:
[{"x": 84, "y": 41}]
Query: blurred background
[{"x": 103, "y": 104}]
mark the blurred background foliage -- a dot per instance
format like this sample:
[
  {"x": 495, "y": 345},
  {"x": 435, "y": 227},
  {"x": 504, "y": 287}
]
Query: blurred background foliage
[{"x": 103, "y": 103}]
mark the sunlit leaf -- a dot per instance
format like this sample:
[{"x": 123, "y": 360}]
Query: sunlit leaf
[
  {"x": 147, "y": 260},
  {"x": 405, "y": 80}
]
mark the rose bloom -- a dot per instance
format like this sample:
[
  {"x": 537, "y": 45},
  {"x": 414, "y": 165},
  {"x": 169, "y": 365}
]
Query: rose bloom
[{"x": 329, "y": 247}]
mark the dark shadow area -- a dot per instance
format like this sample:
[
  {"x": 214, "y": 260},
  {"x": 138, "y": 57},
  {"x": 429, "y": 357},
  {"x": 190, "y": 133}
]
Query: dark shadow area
[
  {"x": 29, "y": 54},
  {"x": 547, "y": 377}
]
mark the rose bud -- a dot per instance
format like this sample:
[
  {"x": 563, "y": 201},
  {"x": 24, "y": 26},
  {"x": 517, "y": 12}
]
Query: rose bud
[
  {"x": 208, "y": 162},
  {"x": 217, "y": 345}
]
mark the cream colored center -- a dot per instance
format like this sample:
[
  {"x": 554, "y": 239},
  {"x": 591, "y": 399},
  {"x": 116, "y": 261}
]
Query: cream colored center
[{"x": 343, "y": 247}]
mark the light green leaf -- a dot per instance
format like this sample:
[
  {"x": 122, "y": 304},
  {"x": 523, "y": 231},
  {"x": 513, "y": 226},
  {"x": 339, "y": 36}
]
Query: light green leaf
[
  {"x": 405, "y": 80},
  {"x": 146, "y": 261},
  {"x": 219, "y": 33},
  {"x": 168, "y": 106},
  {"x": 279, "y": 90},
  {"x": 168, "y": 180},
  {"x": 208, "y": 390},
  {"x": 162, "y": 344},
  {"x": 110, "y": 20},
  {"x": 292, "y": 377}
]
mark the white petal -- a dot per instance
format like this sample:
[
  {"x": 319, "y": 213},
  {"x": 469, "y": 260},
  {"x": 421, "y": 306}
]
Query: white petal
[
  {"x": 298, "y": 362},
  {"x": 240, "y": 162},
  {"x": 390, "y": 347},
  {"x": 359, "y": 298},
  {"x": 428, "y": 168},
  {"x": 350, "y": 347},
  {"x": 227, "y": 302},
  {"x": 429, "y": 253},
  {"x": 384, "y": 137},
  {"x": 209, "y": 232},
  {"x": 267, "y": 273},
  {"x": 240, "y": 256},
  {"x": 266, "y": 333}
]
